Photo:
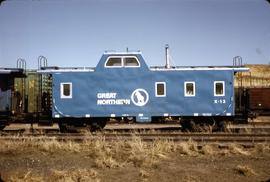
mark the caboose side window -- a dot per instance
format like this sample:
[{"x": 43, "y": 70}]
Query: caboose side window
[
  {"x": 114, "y": 62},
  {"x": 189, "y": 89},
  {"x": 122, "y": 61},
  {"x": 131, "y": 62},
  {"x": 66, "y": 90},
  {"x": 219, "y": 88},
  {"x": 160, "y": 88}
]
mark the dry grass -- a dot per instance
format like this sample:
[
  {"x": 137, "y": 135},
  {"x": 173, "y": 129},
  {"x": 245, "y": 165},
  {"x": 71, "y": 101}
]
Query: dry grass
[
  {"x": 262, "y": 148},
  {"x": 244, "y": 170},
  {"x": 75, "y": 175},
  {"x": 119, "y": 154},
  {"x": 42, "y": 144},
  {"x": 28, "y": 177},
  {"x": 189, "y": 148},
  {"x": 144, "y": 174},
  {"x": 144, "y": 154},
  {"x": 107, "y": 161},
  {"x": 82, "y": 175},
  {"x": 208, "y": 150},
  {"x": 260, "y": 76},
  {"x": 190, "y": 178},
  {"x": 237, "y": 149}
]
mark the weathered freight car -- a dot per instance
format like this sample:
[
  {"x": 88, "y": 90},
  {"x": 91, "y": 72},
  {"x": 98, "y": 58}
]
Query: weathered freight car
[
  {"x": 259, "y": 100},
  {"x": 10, "y": 100},
  {"x": 123, "y": 86},
  {"x": 25, "y": 95}
]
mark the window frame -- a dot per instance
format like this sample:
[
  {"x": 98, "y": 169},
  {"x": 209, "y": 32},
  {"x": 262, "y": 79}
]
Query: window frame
[
  {"x": 122, "y": 62},
  {"x": 223, "y": 87},
  {"x": 185, "y": 89},
  {"x": 105, "y": 65},
  {"x": 165, "y": 89},
  {"x": 62, "y": 96}
]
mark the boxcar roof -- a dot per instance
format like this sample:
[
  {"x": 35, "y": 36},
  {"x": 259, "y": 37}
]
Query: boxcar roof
[{"x": 10, "y": 70}]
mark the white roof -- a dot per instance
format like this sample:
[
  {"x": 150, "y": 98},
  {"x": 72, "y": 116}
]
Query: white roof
[
  {"x": 200, "y": 68},
  {"x": 66, "y": 70},
  {"x": 9, "y": 70},
  {"x": 5, "y": 71},
  {"x": 122, "y": 53}
]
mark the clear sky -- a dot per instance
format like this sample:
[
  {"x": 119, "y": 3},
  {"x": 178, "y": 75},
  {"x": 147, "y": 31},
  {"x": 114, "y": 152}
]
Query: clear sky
[{"x": 77, "y": 32}]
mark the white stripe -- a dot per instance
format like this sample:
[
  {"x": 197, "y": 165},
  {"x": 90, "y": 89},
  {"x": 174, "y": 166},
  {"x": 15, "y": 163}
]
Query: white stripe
[
  {"x": 207, "y": 114},
  {"x": 65, "y": 70},
  {"x": 140, "y": 115},
  {"x": 196, "y": 114},
  {"x": 228, "y": 114},
  {"x": 112, "y": 115},
  {"x": 5, "y": 71},
  {"x": 121, "y": 53},
  {"x": 198, "y": 68},
  {"x": 166, "y": 114}
]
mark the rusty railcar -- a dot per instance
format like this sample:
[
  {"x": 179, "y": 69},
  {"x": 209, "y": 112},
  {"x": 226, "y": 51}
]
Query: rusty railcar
[{"x": 259, "y": 100}]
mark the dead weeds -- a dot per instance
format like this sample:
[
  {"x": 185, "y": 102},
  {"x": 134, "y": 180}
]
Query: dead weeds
[
  {"x": 27, "y": 177},
  {"x": 238, "y": 149},
  {"x": 146, "y": 156},
  {"x": 209, "y": 149},
  {"x": 244, "y": 170},
  {"x": 115, "y": 154},
  {"x": 124, "y": 151},
  {"x": 82, "y": 175},
  {"x": 189, "y": 148}
]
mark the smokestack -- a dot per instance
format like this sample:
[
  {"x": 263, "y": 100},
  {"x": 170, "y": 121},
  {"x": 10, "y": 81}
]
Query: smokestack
[{"x": 167, "y": 65}]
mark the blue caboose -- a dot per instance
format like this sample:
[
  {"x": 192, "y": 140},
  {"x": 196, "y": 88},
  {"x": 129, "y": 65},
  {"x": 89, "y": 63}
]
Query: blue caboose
[{"x": 123, "y": 86}]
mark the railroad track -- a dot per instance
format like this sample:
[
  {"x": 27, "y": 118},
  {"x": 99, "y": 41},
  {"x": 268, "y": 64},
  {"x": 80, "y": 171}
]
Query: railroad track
[
  {"x": 172, "y": 127},
  {"x": 200, "y": 138}
]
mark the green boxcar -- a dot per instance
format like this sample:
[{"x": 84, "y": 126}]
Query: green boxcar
[{"x": 35, "y": 91}]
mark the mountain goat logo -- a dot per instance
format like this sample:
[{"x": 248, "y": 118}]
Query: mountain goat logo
[{"x": 139, "y": 97}]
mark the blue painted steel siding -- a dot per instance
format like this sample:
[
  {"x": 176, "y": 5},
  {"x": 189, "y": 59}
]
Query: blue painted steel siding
[
  {"x": 123, "y": 82},
  {"x": 203, "y": 103},
  {"x": 5, "y": 100},
  {"x": 5, "y": 93}
]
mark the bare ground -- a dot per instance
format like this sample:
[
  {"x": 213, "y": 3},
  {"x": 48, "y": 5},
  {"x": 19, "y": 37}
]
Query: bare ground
[{"x": 131, "y": 161}]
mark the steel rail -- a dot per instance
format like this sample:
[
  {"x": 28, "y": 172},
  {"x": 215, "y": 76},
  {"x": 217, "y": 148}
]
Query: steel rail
[
  {"x": 143, "y": 133},
  {"x": 175, "y": 137}
]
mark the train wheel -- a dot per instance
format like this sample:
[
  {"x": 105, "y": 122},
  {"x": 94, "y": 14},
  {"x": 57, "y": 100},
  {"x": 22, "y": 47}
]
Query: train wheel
[
  {"x": 198, "y": 125},
  {"x": 188, "y": 125},
  {"x": 97, "y": 124},
  {"x": 69, "y": 128},
  {"x": 129, "y": 120},
  {"x": 63, "y": 127}
]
